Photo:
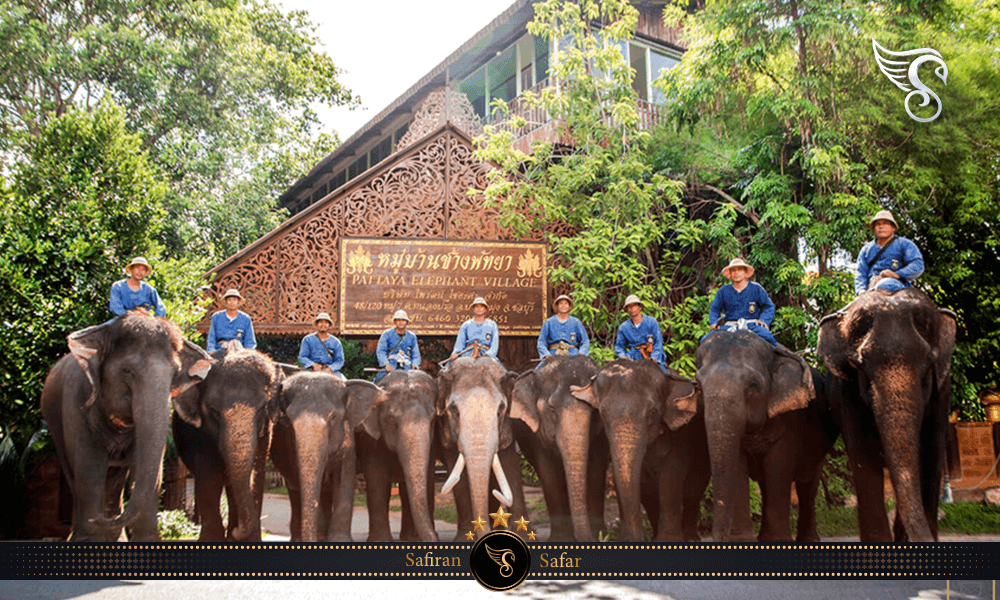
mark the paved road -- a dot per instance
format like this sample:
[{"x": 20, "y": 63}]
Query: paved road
[{"x": 469, "y": 590}]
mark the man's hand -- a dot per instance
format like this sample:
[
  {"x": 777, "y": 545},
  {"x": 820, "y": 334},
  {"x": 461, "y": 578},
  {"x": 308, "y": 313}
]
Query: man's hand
[
  {"x": 713, "y": 327},
  {"x": 762, "y": 324},
  {"x": 317, "y": 367},
  {"x": 888, "y": 273},
  {"x": 388, "y": 367},
  {"x": 453, "y": 356}
]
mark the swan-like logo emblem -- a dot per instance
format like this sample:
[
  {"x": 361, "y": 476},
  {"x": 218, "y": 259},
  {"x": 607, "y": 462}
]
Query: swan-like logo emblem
[
  {"x": 500, "y": 557},
  {"x": 903, "y": 71}
]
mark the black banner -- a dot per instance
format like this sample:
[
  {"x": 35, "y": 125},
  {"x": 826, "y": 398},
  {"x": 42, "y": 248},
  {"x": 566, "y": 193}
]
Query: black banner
[{"x": 191, "y": 560}]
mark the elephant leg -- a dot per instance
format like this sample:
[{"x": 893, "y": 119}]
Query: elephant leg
[
  {"x": 207, "y": 495},
  {"x": 511, "y": 464},
  {"x": 343, "y": 497},
  {"x": 377, "y": 486},
  {"x": 597, "y": 468},
  {"x": 234, "y": 513},
  {"x": 695, "y": 485},
  {"x": 775, "y": 491},
  {"x": 295, "y": 502},
  {"x": 807, "y": 490},
  {"x": 114, "y": 485},
  {"x": 90, "y": 483},
  {"x": 550, "y": 471},
  {"x": 743, "y": 527},
  {"x": 407, "y": 530},
  {"x": 669, "y": 486},
  {"x": 933, "y": 440}
]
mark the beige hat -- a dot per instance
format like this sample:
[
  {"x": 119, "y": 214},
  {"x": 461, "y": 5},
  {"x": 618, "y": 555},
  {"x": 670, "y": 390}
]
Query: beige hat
[
  {"x": 232, "y": 292},
  {"x": 138, "y": 260},
  {"x": 323, "y": 317},
  {"x": 882, "y": 215},
  {"x": 479, "y": 300},
  {"x": 632, "y": 299},
  {"x": 400, "y": 314},
  {"x": 562, "y": 297},
  {"x": 737, "y": 262}
]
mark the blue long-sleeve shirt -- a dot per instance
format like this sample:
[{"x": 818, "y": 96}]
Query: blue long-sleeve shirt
[
  {"x": 486, "y": 333},
  {"x": 312, "y": 351},
  {"x": 570, "y": 331},
  {"x": 224, "y": 329},
  {"x": 630, "y": 337},
  {"x": 752, "y": 303},
  {"x": 123, "y": 299},
  {"x": 391, "y": 341},
  {"x": 902, "y": 257}
]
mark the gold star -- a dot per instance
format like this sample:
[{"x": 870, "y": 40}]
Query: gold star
[
  {"x": 478, "y": 524},
  {"x": 522, "y": 523},
  {"x": 531, "y": 535},
  {"x": 469, "y": 535},
  {"x": 499, "y": 517}
]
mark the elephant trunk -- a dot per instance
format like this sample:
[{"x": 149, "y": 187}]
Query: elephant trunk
[
  {"x": 239, "y": 446},
  {"x": 574, "y": 446},
  {"x": 311, "y": 450},
  {"x": 415, "y": 456},
  {"x": 899, "y": 427},
  {"x": 628, "y": 448},
  {"x": 725, "y": 426},
  {"x": 151, "y": 416}
]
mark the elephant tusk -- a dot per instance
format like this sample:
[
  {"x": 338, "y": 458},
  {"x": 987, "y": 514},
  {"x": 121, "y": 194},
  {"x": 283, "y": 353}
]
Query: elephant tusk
[
  {"x": 504, "y": 494},
  {"x": 455, "y": 475}
]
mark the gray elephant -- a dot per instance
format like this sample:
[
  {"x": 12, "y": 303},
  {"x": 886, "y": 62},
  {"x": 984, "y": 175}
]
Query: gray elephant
[
  {"x": 222, "y": 429},
  {"x": 107, "y": 409},
  {"x": 659, "y": 458},
  {"x": 313, "y": 448},
  {"x": 889, "y": 356},
  {"x": 764, "y": 419},
  {"x": 564, "y": 441},
  {"x": 398, "y": 448},
  {"x": 475, "y": 438}
]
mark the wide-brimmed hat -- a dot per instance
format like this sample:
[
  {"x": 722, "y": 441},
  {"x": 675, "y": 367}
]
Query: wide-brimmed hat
[
  {"x": 737, "y": 262},
  {"x": 479, "y": 300},
  {"x": 562, "y": 297},
  {"x": 232, "y": 292},
  {"x": 632, "y": 299},
  {"x": 400, "y": 314},
  {"x": 323, "y": 317},
  {"x": 138, "y": 260},
  {"x": 882, "y": 215}
]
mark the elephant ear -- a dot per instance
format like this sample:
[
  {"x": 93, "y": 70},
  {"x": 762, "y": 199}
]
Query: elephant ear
[
  {"x": 445, "y": 379},
  {"x": 274, "y": 407},
  {"x": 586, "y": 392},
  {"x": 184, "y": 389},
  {"x": 363, "y": 398},
  {"x": 507, "y": 386},
  {"x": 791, "y": 383},
  {"x": 680, "y": 401},
  {"x": 833, "y": 347},
  {"x": 523, "y": 398},
  {"x": 88, "y": 347}
]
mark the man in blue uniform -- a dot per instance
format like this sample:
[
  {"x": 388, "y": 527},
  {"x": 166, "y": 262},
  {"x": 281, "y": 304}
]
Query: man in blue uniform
[
  {"x": 231, "y": 324},
  {"x": 478, "y": 336},
  {"x": 321, "y": 351},
  {"x": 134, "y": 293},
  {"x": 562, "y": 335},
  {"x": 889, "y": 262},
  {"x": 397, "y": 347},
  {"x": 639, "y": 337},
  {"x": 745, "y": 304}
]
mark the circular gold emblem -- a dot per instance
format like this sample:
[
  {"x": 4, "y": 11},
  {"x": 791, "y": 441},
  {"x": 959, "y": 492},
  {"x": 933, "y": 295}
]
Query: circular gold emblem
[{"x": 500, "y": 561}]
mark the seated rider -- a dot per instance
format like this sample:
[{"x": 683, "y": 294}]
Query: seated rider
[
  {"x": 745, "y": 304},
  {"x": 397, "y": 347},
  {"x": 134, "y": 293},
  {"x": 478, "y": 336},
  {"x": 230, "y": 324},
  {"x": 321, "y": 351},
  {"x": 640, "y": 337},
  {"x": 889, "y": 262},
  {"x": 562, "y": 335}
]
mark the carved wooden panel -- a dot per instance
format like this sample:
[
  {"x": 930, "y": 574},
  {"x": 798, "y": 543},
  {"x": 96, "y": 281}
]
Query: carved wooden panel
[
  {"x": 470, "y": 219},
  {"x": 254, "y": 278},
  {"x": 309, "y": 262},
  {"x": 441, "y": 106}
]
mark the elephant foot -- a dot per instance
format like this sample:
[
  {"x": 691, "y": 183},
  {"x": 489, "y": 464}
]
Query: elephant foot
[
  {"x": 340, "y": 537},
  {"x": 809, "y": 538}
]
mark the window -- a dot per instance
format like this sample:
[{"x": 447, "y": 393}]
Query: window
[
  {"x": 319, "y": 193},
  {"x": 514, "y": 70},
  {"x": 638, "y": 60},
  {"x": 399, "y": 134},
  {"x": 357, "y": 167},
  {"x": 502, "y": 71},
  {"x": 380, "y": 151},
  {"x": 659, "y": 61},
  {"x": 474, "y": 87},
  {"x": 338, "y": 180}
]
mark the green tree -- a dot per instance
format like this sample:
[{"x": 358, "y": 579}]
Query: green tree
[
  {"x": 780, "y": 108},
  {"x": 79, "y": 205},
  {"x": 220, "y": 92}
]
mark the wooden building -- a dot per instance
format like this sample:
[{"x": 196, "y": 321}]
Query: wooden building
[{"x": 407, "y": 173}]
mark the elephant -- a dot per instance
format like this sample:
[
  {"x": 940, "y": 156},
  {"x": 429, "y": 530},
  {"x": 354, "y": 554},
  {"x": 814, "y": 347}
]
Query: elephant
[
  {"x": 398, "y": 447},
  {"x": 563, "y": 440},
  {"x": 658, "y": 461},
  {"x": 313, "y": 447},
  {"x": 767, "y": 418},
  {"x": 474, "y": 437},
  {"x": 222, "y": 429},
  {"x": 889, "y": 356},
  {"x": 107, "y": 408}
]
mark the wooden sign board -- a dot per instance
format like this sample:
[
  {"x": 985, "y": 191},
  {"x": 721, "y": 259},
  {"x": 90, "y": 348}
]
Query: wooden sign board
[
  {"x": 975, "y": 449},
  {"x": 435, "y": 282}
]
